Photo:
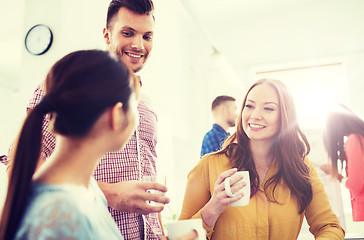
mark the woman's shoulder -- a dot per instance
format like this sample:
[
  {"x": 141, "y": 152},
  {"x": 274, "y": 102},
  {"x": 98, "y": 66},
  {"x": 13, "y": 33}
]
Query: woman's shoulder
[
  {"x": 47, "y": 201},
  {"x": 50, "y": 207},
  {"x": 213, "y": 163},
  {"x": 354, "y": 138},
  {"x": 214, "y": 158},
  {"x": 354, "y": 143},
  {"x": 309, "y": 164}
]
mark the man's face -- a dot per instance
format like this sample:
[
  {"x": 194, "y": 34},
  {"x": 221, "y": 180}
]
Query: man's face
[
  {"x": 231, "y": 112},
  {"x": 130, "y": 37}
]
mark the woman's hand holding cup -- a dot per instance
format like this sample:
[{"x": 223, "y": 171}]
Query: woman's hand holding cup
[
  {"x": 220, "y": 200},
  {"x": 231, "y": 191}
]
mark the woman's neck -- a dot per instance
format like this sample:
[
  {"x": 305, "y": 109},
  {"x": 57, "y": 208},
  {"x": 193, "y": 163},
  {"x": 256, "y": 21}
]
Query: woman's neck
[
  {"x": 72, "y": 162},
  {"x": 261, "y": 151},
  {"x": 262, "y": 156}
]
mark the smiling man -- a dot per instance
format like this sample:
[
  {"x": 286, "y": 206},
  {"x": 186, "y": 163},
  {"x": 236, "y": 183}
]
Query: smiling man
[{"x": 129, "y": 36}]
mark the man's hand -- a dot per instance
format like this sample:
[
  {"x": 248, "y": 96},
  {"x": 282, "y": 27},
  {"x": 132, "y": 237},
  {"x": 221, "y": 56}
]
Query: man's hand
[{"x": 132, "y": 196}]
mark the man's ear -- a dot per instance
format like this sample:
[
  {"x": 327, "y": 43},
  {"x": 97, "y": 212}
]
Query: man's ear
[
  {"x": 222, "y": 108},
  {"x": 106, "y": 34},
  {"x": 117, "y": 116}
]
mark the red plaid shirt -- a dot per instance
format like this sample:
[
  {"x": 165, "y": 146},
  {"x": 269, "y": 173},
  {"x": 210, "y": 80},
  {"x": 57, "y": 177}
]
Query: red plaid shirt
[{"x": 122, "y": 165}]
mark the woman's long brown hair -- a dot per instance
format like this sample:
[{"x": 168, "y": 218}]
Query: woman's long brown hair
[
  {"x": 340, "y": 122},
  {"x": 290, "y": 148}
]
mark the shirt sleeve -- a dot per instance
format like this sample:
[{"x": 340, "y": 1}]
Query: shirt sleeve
[
  {"x": 48, "y": 138},
  {"x": 323, "y": 222},
  {"x": 197, "y": 194},
  {"x": 210, "y": 143},
  {"x": 37, "y": 96},
  {"x": 355, "y": 164}
]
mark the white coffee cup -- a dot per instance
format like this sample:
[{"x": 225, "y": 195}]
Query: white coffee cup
[
  {"x": 180, "y": 228},
  {"x": 244, "y": 201},
  {"x": 162, "y": 179}
]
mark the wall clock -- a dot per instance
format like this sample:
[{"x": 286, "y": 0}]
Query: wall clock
[{"x": 38, "y": 39}]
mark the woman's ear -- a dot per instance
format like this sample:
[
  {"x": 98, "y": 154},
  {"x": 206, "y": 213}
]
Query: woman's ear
[{"x": 117, "y": 116}]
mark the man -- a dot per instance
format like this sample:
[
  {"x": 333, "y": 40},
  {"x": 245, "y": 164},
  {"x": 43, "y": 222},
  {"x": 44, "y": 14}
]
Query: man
[
  {"x": 224, "y": 112},
  {"x": 129, "y": 36}
]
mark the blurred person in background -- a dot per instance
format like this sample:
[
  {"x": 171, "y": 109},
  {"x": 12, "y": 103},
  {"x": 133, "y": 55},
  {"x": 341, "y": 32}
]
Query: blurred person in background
[
  {"x": 344, "y": 142},
  {"x": 224, "y": 111}
]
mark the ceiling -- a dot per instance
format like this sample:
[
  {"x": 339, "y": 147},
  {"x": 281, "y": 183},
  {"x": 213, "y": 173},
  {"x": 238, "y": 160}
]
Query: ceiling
[
  {"x": 263, "y": 32},
  {"x": 246, "y": 32}
]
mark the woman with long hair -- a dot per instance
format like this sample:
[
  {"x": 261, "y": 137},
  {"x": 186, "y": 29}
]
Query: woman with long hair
[
  {"x": 284, "y": 184},
  {"x": 90, "y": 96},
  {"x": 3, "y": 185},
  {"x": 344, "y": 142}
]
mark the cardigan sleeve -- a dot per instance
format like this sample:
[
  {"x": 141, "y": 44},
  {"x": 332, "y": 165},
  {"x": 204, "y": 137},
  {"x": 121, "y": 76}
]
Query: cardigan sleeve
[
  {"x": 197, "y": 193},
  {"x": 323, "y": 222},
  {"x": 355, "y": 164}
]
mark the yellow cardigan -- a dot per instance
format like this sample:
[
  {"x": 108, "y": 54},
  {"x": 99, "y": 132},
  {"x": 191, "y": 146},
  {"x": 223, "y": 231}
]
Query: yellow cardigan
[{"x": 261, "y": 219}]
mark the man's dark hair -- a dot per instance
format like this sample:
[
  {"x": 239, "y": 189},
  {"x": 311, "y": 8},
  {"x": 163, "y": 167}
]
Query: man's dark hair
[
  {"x": 221, "y": 99},
  {"x": 138, "y": 6}
]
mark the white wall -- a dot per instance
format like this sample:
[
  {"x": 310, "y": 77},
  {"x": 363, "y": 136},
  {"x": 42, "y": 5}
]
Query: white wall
[
  {"x": 26, "y": 70},
  {"x": 175, "y": 77}
]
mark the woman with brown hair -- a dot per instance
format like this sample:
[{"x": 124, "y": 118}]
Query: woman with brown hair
[
  {"x": 284, "y": 184},
  {"x": 344, "y": 142},
  {"x": 90, "y": 96}
]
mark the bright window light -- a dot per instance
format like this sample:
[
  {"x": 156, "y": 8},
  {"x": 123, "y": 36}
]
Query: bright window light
[{"x": 314, "y": 88}]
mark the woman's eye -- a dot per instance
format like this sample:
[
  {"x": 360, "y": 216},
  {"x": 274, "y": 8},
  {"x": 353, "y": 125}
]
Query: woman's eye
[
  {"x": 148, "y": 38},
  {"x": 248, "y": 106},
  {"x": 269, "y": 109}
]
